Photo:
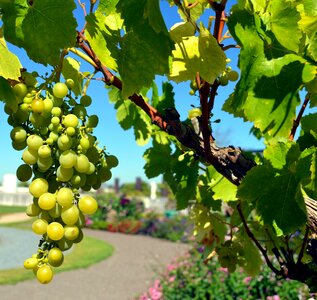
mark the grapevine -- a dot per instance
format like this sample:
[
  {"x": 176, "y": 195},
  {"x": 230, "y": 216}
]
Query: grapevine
[
  {"x": 245, "y": 207},
  {"x": 61, "y": 155}
]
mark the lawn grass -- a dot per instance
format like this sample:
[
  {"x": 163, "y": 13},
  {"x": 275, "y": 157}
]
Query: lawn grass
[
  {"x": 84, "y": 254},
  {"x": 11, "y": 209}
]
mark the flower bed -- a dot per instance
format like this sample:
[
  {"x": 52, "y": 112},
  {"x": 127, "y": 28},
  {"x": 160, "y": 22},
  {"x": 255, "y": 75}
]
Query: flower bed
[{"x": 188, "y": 277}]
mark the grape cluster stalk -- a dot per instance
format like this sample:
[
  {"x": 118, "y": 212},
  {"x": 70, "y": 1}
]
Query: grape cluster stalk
[{"x": 60, "y": 156}]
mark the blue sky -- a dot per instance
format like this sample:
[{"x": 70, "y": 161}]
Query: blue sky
[{"x": 121, "y": 143}]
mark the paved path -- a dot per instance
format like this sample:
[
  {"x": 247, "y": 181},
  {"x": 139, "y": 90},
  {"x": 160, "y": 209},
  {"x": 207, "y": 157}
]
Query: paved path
[
  {"x": 14, "y": 217},
  {"x": 123, "y": 276}
]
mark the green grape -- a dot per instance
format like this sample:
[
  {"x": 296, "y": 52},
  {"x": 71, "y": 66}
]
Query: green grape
[
  {"x": 70, "y": 131},
  {"x": 91, "y": 179},
  {"x": 37, "y": 105},
  {"x": 24, "y": 172},
  {"x": 34, "y": 142},
  {"x": 44, "y": 163},
  {"x": 87, "y": 205},
  {"x": 54, "y": 135},
  {"x": 86, "y": 187},
  {"x": 60, "y": 90},
  {"x": 29, "y": 156},
  {"x": 233, "y": 75},
  {"x": 92, "y": 121},
  {"x": 70, "y": 215},
  {"x": 65, "y": 197},
  {"x": 91, "y": 169},
  {"x": 112, "y": 161},
  {"x": 80, "y": 111},
  {"x": 56, "y": 111},
  {"x": 55, "y": 231},
  {"x": 70, "y": 83},
  {"x": 27, "y": 99},
  {"x": 18, "y": 146},
  {"x": 25, "y": 108},
  {"x": 64, "y": 174},
  {"x": 33, "y": 210},
  {"x": 81, "y": 220},
  {"x": 97, "y": 185},
  {"x": 84, "y": 143},
  {"x": 55, "y": 257},
  {"x": 85, "y": 100},
  {"x": 20, "y": 90},
  {"x": 79, "y": 238},
  {"x": 44, "y": 274},
  {"x": 71, "y": 232},
  {"x": 223, "y": 80},
  {"x": 30, "y": 263},
  {"x": 76, "y": 180},
  {"x": 47, "y": 201},
  {"x": 48, "y": 105},
  {"x": 64, "y": 244},
  {"x": 192, "y": 92},
  {"x": 44, "y": 151},
  {"x": 68, "y": 159},
  {"x": 39, "y": 226},
  {"x": 70, "y": 120},
  {"x": 18, "y": 134},
  {"x": 56, "y": 211},
  {"x": 64, "y": 142},
  {"x": 82, "y": 163},
  {"x": 193, "y": 85},
  {"x": 38, "y": 187}
]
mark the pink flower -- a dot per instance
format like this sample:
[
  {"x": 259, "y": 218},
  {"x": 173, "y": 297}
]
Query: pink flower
[
  {"x": 276, "y": 297},
  {"x": 157, "y": 284},
  {"x": 144, "y": 297},
  {"x": 224, "y": 270},
  {"x": 155, "y": 294},
  {"x": 247, "y": 280},
  {"x": 171, "y": 267},
  {"x": 172, "y": 279},
  {"x": 88, "y": 222}
]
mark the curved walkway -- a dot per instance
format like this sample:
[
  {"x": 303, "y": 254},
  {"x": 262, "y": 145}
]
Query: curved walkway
[{"x": 123, "y": 276}]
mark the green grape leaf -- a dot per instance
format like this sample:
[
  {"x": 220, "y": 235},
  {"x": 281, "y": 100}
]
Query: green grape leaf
[
  {"x": 197, "y": 54},
  {"x": 221, "y": 187},
  {"x": 278, "y": 197},
  {"x": 7, "y": 95},
  {"x": 267, "y": 92},
  {"x": 218, "y": 225},
  {"x": 71, "y": 70},
  {"x": 9, "y": 63},
  {"x": 181, "y": 30},
  {"x": 283, "y": 22},
  {"x": 166, "y": 100},
  {"x": 195, "y": 12},
  {"x": 107, "y": 6},
  {"x": 309, "y": 123},
  {"x": 156, "y": 21},
  {"x": 101, "y": 39},
  {"x": 158, "y": 160},
  {"x": 32, "y": 27}
]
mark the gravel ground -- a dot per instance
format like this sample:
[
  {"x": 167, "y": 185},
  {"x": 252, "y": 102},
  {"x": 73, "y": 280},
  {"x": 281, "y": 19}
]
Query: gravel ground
[{"x": 123, "y": 276}]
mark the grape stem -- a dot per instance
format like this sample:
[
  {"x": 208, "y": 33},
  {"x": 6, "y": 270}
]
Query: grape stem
[{"x": 298, "y": 118}]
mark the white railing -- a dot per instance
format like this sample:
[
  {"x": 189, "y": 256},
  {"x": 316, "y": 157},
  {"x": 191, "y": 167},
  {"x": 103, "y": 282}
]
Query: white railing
[{"x": 16, "y": 199}]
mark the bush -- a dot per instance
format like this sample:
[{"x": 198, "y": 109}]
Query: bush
[{"x": 190, "y": 278}]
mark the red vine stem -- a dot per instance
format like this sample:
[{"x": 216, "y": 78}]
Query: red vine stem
[
  {"x": 256, "y": 242},
  {"x": 300, "y": 114}
]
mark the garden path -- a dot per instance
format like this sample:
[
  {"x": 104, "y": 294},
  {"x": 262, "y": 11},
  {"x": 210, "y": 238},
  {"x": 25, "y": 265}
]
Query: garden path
[{"x": 123, "y": 276}]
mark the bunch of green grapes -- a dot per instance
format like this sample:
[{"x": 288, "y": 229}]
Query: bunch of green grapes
[{"x": 61, "y": 155}]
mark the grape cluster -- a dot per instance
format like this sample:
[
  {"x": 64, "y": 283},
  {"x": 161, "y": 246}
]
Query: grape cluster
[{"x": 59, "y": 150}]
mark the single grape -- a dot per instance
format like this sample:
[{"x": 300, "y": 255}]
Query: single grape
[
  {"x": 70, "y": 215},
  {"x": 79, "y": 238},
  {"x": 223, "y": 80},
  {"x": 56, "y": 111},
  {"x": 39, "y": 226},
  {"x": 93, "y": 155},
  {"x": 37, "y": 105},
  {"x": 85, "y": 100},
  {"x": 64, "y": 142},
  {"x": 70, "y": 83},
  {"x": 84, "y": 143},
  {"x": 55, "y": 231},
  {"x": 48, "y": 105},
  {"x": 33, "y": 210},
  {"x": 233, "y": 75},
  {"x": 105, "y": 174},
  {"x": 194, "y": 113},
  {"x": 70, "y": 131},
  {"x": 44, "y": 163},
  {"x": 68, "y": 159},
  {"x": 64, "y": 174},
  {"x": 82, "y": 163},
  {"x": 30, "y": 263},
  {"x": 70, "y": 120},
  {"x": 65, "y": 197},
  {"x": 44, "y": 274},
  {"x": 20, "y": 90},
  {"x": 29, "y": 156},
  {"x": 34, "y": 142},
  {"x": 55, "y": 257},
  {"x": 18, "y": 134},
  {"x": 44, "y": 151},
  {"x": 24, "y": 172},
  {"x": 47, "y": 201},
  {"x": 87, "y": 205},
  {"x": 91, "y": 169},
  {"x": 71, "y": 232},
  {"x": 18, "y": 146},
  {"x": 64, "y": 244},
  {"x": 60, "y": 90},
  {"x": 38, "y": 187},
  {"x": 92, "y": 121}
]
